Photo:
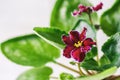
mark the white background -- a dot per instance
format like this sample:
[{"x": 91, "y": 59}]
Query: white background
[{"x": 18, "y": 17}]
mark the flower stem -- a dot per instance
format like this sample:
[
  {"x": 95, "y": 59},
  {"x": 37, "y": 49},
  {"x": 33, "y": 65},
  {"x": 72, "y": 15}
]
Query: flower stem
[
  {"x": 80, "y": 71},
  {"x": 60, "y": 64},
  {"x": 76, "y": 24},
  {"x": 90, "y": 18}
]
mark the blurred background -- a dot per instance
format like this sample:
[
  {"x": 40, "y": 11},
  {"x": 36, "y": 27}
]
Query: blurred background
[{"x": 18, "y": 17}]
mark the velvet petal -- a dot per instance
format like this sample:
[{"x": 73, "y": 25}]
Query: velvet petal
[
  {"x": 83, "y": 34},
  {"x": 87, "y": 48},
  {"x": 67, "y": 51},
  {"x": 74, "y": 36},
  {"x": 88, "y": 42},
  {"x": 78, "y": 54},
  {"x": 67, "y": 40}
]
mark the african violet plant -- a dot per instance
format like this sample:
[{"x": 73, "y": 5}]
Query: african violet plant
[{"x": 74, "y": 35}]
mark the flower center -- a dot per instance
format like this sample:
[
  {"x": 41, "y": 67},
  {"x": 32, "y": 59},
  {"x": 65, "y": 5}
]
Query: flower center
[{"x": 78, "y": 44}]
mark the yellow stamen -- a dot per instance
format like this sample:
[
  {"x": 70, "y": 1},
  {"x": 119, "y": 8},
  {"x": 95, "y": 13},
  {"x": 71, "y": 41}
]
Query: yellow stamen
[{"x": 78, "y": 44}]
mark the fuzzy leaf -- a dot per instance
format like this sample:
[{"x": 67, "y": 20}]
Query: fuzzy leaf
[
  {"x": 66, "y": 76},
  {"x": 29, "y": 50},
  {"x": 62, "y": 18},
  {"x": 90, "y": 64},
  {"x": 91, "y": 54},
  {"x": 111, "y": 50},
  {"x": 110, "y": 20},
  {"x": 42, "y": 73},
  {"x": 51, "y": 35},
  {"x": 104, "y": 61}
]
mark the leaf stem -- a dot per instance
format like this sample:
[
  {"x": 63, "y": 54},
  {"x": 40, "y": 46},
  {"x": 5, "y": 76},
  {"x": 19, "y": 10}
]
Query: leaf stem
[
  {"x": 80, "y": 70},
  {"x": 90, "y": 18},
  {"x": 88, "y": 72},
  {"x": 60, "y": 64},
  {"x": 53, "y": 77}
]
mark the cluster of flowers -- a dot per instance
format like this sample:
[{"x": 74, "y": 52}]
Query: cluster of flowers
[
  {"x": 77, "y": 45},
  {"x": 87, "y": 9}
]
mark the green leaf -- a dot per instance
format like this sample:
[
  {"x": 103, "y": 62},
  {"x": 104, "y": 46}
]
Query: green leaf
[
  {"x": 29, "y": 50},
  {"x": 110, "y": 20},
  {"x": 91, "y": 32},
  {"x": 111, "y": 50},
  {"x": 91, "y": 54},
  {"x": 41, "y": 73},
  {"x": 101, "y": 75},
  {"x": 104, "y": 61},
  {"x": 51, "y": 35},
  {"x": 90, "y": 64},
  {"x": 61, "y": 15},
  {"x": 66, "y": 76}
]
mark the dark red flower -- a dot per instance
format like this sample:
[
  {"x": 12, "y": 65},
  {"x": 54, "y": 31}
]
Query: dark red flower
[
  {"x": 98, "y": 7},
  {"x": 77, "y": 45}
]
